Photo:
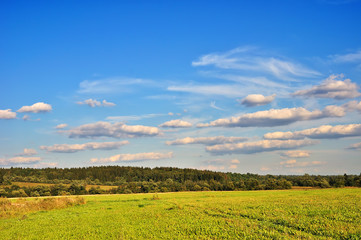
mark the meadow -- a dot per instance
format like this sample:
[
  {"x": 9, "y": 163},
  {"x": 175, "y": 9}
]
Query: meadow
[{"x": 273, "y": 214}]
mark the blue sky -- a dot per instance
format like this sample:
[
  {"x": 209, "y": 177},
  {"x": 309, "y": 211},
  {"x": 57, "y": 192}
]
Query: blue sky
[{"x": 262, "y": 87}]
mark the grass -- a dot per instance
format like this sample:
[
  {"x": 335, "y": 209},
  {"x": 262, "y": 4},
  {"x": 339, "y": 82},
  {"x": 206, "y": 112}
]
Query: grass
[
  {"x": 287, "y": 214},
  {"x": 22, "y": 206}
]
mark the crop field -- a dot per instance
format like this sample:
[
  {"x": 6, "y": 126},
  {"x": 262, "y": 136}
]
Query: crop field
[{"x": 283, "y": 214}]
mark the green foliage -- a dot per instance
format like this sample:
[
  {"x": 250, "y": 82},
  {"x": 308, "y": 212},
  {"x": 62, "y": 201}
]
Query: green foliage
[{"x": 74, "y": 181}]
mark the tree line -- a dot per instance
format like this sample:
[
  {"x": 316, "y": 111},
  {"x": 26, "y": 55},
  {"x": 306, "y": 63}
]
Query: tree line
[{"x": 78, "y": 181}]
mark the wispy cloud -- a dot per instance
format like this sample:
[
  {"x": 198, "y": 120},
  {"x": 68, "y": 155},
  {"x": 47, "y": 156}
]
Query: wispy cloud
[
  {"x": 36, "y": 108},
  {"x": 252, "y": 59},
  {"x": 355, "y": 146},
  {"x": 258, "y": 146},
  {"x": 7, "y": 114},
  {"x": 133, "y": 157},
  {"x": 325, "y": 131},
  {"x": 111, "y": 85},
  {"x": 213, "y": 105},
  {"x": 296, "y": 154},
  {"x": 135, "y": 117},
  {"x": 114, "y": 130},
  {"x": 226, "y": 90},
  {"x": 72, "y": 148},
  {"x": 206, "y": 140},
  {"x": 61, "y": 126},
  {"x": 19, "y": 161},
  {"x": 292, "y": 163},
  {"x": 350, "y": 57},
  {"x": 95, "y": 103}
]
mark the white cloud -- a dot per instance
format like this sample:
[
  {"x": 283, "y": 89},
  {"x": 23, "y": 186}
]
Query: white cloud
[
  {"x": 61, "y": 126},
  {"x": 276, "y": 117},
  {"x": 324, "y": 131},
  {"x": 114, "y": 130},
  {"x": 356, "y": 146},
  {"x": 213, "y": 105},
  {"x": 7, "y": 114},
  {"x": 248, "y": 59},
  {"x": 45, "y": 165},
  {"x": 206, "y": 140},
  {"x": 257, "y": 100},
  {"x": 110, "y": 85},
  {"x": 235, "y": 161},
  {"x": 352, "y": 106},
  {"x": 296, "y": 154},
  {"x": 292, "y": 163},
  {"x": 233, "y": 166},
  {"x": 351, "y": 57},
  {"x": 28, "y": 152},
  {"x": 332, "y": 87},
  {"x": 133, "y": 157},
  {"x": 71, "y": 148},
  {"x": 176, "y": 124},
  {"x": 36, "y": 108},
  {"x": 95, "y": 103},
  {"x": 259, "y": 146},
  {"x": 26, "y": 117},
  {"x": 19, "y": 161},
  {"x": 218, "y": 90},
  {"x": 134, "y": 117},
  {"x": 212, "y": 168}
]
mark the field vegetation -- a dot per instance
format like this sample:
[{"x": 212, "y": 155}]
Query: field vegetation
[
  {"x": 22, "y": 206},
  {"x": 276, "y": 214}
]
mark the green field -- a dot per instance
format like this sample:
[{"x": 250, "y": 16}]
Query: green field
[{"x": 286, "y": 214}]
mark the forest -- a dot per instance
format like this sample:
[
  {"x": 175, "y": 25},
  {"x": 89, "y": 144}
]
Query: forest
[{"x": 86, "y": 180}]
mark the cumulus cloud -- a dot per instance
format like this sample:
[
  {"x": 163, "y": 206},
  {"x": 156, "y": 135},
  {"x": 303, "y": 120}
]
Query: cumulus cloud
[
  {"x": 276, "y": 117},
  {"x": 206, "y": 140},
  {"x": 36, "y": 108},
  {"x": 133, "y": 157},
  {"x": 19, "y": 161},
  {"x": 257, "y": 100},
  {"x": 292, "y": 163},
  {"x": 28, "y": 152},
  {"x": 61, "y": 126},
  {"x": 258, "y": 146},
  {"x": 71, "y": 148},
  {"x": 324, "y": 131},
  {"x": 176, "y": 124},
  {"x": 95, "y": 103},
  {"x": 356, "y": 146},
  {"x": 114, "y": 130},
  {"x": 332, "y": 87},
  {"x": 7, "y": 114},
  {"x": 352, "y": 106},
  {"x": 296, "y": 154}
]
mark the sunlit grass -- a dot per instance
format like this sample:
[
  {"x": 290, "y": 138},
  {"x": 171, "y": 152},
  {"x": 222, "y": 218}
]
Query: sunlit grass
[{"x": 287, "y": 214}]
